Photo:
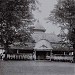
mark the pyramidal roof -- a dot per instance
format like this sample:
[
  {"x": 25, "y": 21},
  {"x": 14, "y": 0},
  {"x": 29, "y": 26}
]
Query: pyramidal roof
[
  {"x": 39, "y": 27},
  {"x": 43, "y": 44},
  {"x": 51, "y": 37}
]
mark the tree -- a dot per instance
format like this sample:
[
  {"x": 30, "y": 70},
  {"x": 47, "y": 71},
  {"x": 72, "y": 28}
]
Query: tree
[
  {"x": 64, "y": 14},
  {"x": 15, "y": 15}
]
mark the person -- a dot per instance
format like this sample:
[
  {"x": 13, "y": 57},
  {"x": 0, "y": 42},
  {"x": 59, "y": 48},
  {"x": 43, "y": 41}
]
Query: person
[{"x": 1, "y": 55}]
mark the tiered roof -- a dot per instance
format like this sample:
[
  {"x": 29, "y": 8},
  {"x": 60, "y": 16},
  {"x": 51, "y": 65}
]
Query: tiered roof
[
  {"x": 43, "y": 45},
  {"x": 39, "y": 27},
  {"x": 51, "y": 37}
]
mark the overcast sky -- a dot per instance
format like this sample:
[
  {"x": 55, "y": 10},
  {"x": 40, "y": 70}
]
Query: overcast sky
[{"x": 46, "y": 6}]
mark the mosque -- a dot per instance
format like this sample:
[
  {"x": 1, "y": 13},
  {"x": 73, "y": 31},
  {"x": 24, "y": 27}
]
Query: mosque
[{"x": 44, "y": 47}]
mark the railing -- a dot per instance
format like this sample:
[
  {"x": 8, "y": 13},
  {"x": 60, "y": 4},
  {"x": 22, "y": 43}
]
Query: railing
[
  {"x": 19, "y": 56},
  {"x": 30, "y": 57},
  {"x": 60, "y": 58}
]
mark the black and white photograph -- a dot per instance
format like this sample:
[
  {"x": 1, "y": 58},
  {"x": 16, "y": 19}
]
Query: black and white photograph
[{"x": 37, "y": 37}]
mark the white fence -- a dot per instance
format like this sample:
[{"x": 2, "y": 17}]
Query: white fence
[
  {"x": 19, "y": 56},
  {"x": 66, "y": 58},
  {"x": 70, "y": 58}
]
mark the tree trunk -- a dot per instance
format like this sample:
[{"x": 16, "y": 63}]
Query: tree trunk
[
  {"x": 5, "y": 58},
  {"x": 6, "y": 51},
  {"x": 74, "y": 53}
]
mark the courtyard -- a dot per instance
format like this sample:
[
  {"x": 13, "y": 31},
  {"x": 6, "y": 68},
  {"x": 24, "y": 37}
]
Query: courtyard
[{"x": 36, "y": 68}]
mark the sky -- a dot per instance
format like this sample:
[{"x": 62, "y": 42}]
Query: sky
[{"x": 46, "y": 6}]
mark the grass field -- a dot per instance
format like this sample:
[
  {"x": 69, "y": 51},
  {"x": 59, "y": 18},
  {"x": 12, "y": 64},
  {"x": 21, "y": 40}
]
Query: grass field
[{"x": 36, "y": 68}]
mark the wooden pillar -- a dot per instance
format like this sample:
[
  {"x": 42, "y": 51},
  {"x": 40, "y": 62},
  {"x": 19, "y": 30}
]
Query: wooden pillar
[
  {"x": 72, "y": 53},
  {"x": 64, "y": 53},
  {"x": 34, "y": 55},
  {"x": 17, "y": 51},
  {"x": 17, "y": 55},
  {"x": 50, "y": 54}
]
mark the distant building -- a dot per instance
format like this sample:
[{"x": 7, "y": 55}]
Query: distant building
[{"x": 45, "y": 46}]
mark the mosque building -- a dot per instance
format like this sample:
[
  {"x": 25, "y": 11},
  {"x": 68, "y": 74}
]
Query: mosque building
[
  {"x": 44, "y": 47},
  {"x": 43, "y": 41}
]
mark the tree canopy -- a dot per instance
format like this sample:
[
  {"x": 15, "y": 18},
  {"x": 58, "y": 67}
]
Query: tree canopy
[
  {"x": 12, "y": 12},
  {"x": 64, "y": 14},
  {"x": 15, "y": 16}
]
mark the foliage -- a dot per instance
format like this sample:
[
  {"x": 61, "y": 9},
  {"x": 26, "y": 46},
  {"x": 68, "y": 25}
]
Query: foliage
[
  {"x": 64, "y": 14},
  {"x": 15, "y": 17},
  {"x": 12, "y": 12}
]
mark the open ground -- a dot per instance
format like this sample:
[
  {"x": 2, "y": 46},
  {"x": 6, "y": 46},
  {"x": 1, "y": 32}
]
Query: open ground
[{"x": 36, "y": 68}]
